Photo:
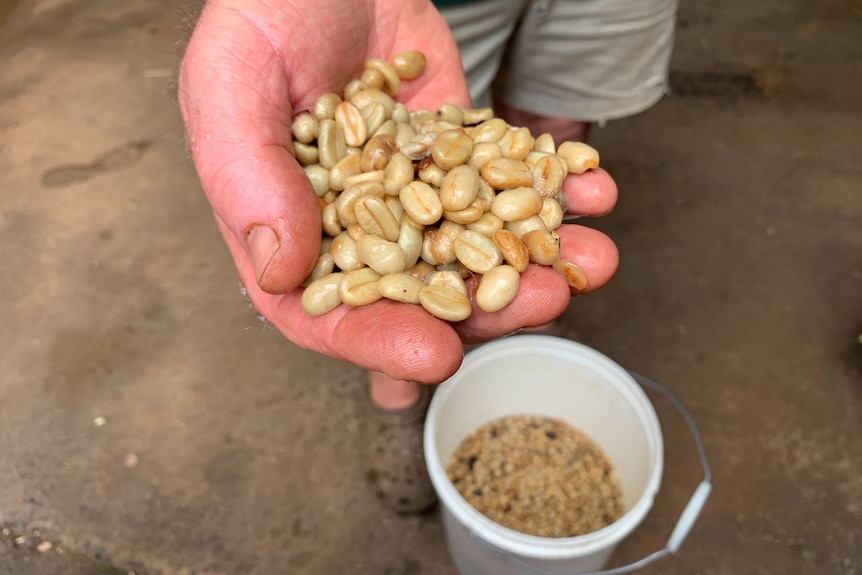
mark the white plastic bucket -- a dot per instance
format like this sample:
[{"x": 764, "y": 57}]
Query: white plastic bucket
[{"x": 554, "y": 377}]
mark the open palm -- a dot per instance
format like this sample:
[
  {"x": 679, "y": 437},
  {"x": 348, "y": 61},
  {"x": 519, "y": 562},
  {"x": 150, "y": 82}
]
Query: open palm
[{"x": 250, "y": 66}]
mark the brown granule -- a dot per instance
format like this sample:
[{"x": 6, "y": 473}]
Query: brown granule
[{"x": 538, "y": 476}]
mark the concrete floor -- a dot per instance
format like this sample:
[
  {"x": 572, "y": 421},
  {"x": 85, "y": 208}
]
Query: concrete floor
[{"x": 150, "y": 424}]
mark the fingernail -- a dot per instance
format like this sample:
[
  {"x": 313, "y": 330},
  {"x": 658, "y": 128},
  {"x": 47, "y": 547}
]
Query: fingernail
[{"x": 262, "y": 245}]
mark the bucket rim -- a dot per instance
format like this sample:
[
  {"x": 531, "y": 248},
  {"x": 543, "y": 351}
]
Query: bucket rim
[{"x": 532, "y": 546}]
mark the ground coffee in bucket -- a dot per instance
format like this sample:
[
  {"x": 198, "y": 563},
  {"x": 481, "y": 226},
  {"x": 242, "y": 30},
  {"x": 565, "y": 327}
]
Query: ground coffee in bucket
[{"x": 537, "y": 475}]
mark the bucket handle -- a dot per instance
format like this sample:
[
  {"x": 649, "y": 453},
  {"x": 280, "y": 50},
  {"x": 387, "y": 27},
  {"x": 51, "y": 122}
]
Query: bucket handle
[{"x": 686, "y": 519}]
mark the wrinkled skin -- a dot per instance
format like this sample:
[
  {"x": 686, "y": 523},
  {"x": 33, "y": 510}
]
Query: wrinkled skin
[{"x": 249, "y": 67}]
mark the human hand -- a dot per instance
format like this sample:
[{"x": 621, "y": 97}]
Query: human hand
[{"x": 249, "y": 67}]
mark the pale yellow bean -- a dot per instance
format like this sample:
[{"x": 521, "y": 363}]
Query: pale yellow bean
[
  {"x": 400, "y": 287},
  {"x": 486, "y": 194},
  {"x": 498, "y": 288},
  {"x": 459, "y": 188},
  {"x": 324, "y": 108},
  {"x": 330, "y": 143},
  {"x": 551, "y": 213},
  {"x": 579, "y": 156},
  {"x": 418, "y": 147},
  {"x": 409, "y": 65},
  {"x": 437, "y": 248},
  {"x": 437, "y": 127},
  {"x": 516, "y": 204},
  {"x": 448, "y": 278},
  {"x": 505, "y": 173},
  {"x": 382, "y": 256},
  {"x": 404, "y": 132},
  {"x": 387, "y": 128},
  {"x": 490, "y": 130},
  {"x": 513, "y": 249},
  {"x": 372, "y": 78},
  {"x": 319, "y": 178},
  {"x": 430, "y": 173},
  {"x": 397, "y": 174},
  {"x": 324, "y": 266},
  {"x": 451, "y": 148},
  {"x": 306, "y": 154},
  {"x": 448, "y": 232},
  {"x": 469, "y": 214},
  {"x": 486, "y": 225},
  {"x": 545, "y": 143},
  {"x": 359, "y": 287},
  {"x": 410, "y": 240},
  {"x": 343, "y": 250},
  {"x": 445, "y": 303},
  {"x": 548, "y": 176},
  {"x": 477, "y": 115},
  {"x": 353, "y": 87},
  {"x": 304, "y": 127},
  {"x": 429, "y": 241},
  {"x": 378, "y": 152},
  {"x": 394, "y": 205},
  {"x": 572, "y": 273},
  {"x": 421, "y": 270},
  {"x": 421, "y": 202},
  {"x": 346, "y": 167},
  {"x": 451, "y": 113},
  {"x": 356, "y": 231},
  {"x": 521, "y": 227},
  {"x": 535, "y": 156},
  {"x": 544, "y": 247},
  {"x": 516, "y": 143},
  {"x": 365, "y": 97},
  {"x": 391, "y": 81},
  {"x": 374, "y": 114},
  {"x": 352, "y": 123},
  {"x": 375, "y": 217},
  {"x": 478, "y": 253},
  {"x": 346, "y": 201},
  {"x": 376, "y": 176},
  {"x": 321, "y": 296},
  {"x": 482, "y": 153},
  {"x": 329, "y": 218},
  {"x": 400, "y": 115},
  {"x": 419, "y": 118}
]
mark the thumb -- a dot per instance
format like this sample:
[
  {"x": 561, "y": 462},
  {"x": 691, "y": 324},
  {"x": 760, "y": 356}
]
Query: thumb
[{"x": 235, "y": 103}]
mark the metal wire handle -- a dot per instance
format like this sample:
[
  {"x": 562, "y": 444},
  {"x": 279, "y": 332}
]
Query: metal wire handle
[{"x": 686, "y": 519}]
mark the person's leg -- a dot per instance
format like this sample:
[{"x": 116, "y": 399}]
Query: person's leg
[
  {"x": 392, "y": 394},
  {"x": 574, "y": 63},
  {"x": 482, "y": 29},
  {"x": 392, "y": 435}
]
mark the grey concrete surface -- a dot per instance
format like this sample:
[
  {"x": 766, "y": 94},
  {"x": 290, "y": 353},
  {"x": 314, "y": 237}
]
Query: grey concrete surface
[{"x": 150, "y": 424}]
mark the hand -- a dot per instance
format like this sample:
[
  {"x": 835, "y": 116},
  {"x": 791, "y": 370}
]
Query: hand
[{"x": 250, "y": 65}]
